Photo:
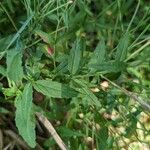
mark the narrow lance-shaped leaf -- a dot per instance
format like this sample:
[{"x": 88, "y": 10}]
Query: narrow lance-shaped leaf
[
  {"x": 110, "y": 66},
  {"x": 62, "y": 67},
  {"x": 75, "y": 57},
  {"x": 103, "y": 137},
  {"x": 99, "y": 53},
  {"x": 85, "y": 91},
  {"x": 54, "y": 89},
  {"x": 14, "y": 64},
  {"x": 122, "y": 48},
  {"x": 25, "y": 120},
  {"x": 19, "y": 32}
]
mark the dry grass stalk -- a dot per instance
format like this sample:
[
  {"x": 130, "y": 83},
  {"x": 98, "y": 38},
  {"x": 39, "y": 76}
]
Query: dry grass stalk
[{"x": 51, "y": 130}]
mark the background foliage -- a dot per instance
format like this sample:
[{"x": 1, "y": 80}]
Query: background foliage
[{"x": 72, "y": 61}]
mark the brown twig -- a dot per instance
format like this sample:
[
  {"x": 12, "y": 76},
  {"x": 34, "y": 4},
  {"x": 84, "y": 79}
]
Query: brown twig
[
  {"x": 51, "y": 130},
  {"x": 17, "y": 139},
  {"x": 1, "y": 139}
]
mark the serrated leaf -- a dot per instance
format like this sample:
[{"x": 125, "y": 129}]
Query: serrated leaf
[
  {"x": 85, "y": 91},
  {"x": 75, "y": 57},
  {"x": 62, "y": 67},
  {"x": 14, "y": 64},
  {"x": 122, "y": 48},
  {"x": 54, "y": 89},
  {"x": 91, "y": 97},
  {"x": 108, "y": 67},
  {"x": 99, "y": 53},
  {"x": 25, "y": 119}
]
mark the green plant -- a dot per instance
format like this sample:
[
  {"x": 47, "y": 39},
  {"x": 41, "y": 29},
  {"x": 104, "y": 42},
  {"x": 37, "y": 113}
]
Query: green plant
[{"x": 83, "y": 64}]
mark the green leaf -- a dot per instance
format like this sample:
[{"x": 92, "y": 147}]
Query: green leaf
[
  {"x": 10, "y": 5},
  {"x": 108, "y": 67},
  {"x": 66, "y": 132},
  {"x": 122, "y": 48},
  {"x": 103, "y": 136},
  {"x": 66, "y": 18},
  {"x": 4, "y": 42},
  {"x": 14, "y": 64},
  {"x": 3, "y": 71},
  {"x": 75, "y": 57},
  {"x": 91, "y": 97},
  {"x": 131, "y": 128},
  {"x": 82, "y": 5},
  {"x": 10, "y": 91},
  {"x": 25, "y": 119},
  {"x": 3, "y": 110},
  {"x": 85, "y": 91},
  {"x": 53, "y": 18},
  {"x": 99, "y": 53},
  {"x": 54, "y": 89},
  {"x": 62, "y": 67},
  {"x": 77, "y": 19},
  {"x": 15, "y": 37},
  {"x": 44, "y": 36}
]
